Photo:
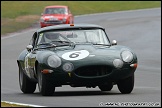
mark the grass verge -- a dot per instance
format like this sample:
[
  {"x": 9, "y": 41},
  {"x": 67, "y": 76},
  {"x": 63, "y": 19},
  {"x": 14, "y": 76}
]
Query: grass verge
[
  {"x": 4, "y": 104},
  {"x": 18, "y": 15}
]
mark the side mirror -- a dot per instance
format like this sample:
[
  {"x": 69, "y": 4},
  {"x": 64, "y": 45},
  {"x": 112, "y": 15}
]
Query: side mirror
[
  {"x": 114, "y": 42},
  {"x": 29, "y": 47},
  {"x": 41, "y": 14}
]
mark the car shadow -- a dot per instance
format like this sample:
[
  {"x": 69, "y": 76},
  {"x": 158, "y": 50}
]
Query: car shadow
[{"x": 81, "y": 93}]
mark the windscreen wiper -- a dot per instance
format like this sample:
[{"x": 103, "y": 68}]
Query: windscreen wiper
[
  {"x": 61, "y": 41},
  {"x": 101, "y": 44},
  {"x": 50, "y": 45},
  {"x": 46, "y": 45},
  {"x": 69, "y": 43}
]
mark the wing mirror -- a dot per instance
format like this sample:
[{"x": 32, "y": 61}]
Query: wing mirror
[
  {"x": 114, "y": 42},
  {"x": 29, "y": 47},
  {"x": 41, "y": 14}
]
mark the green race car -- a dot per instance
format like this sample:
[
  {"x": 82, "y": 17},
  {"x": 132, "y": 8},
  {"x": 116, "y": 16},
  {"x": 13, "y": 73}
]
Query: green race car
[{"x": 79, "y": 55}]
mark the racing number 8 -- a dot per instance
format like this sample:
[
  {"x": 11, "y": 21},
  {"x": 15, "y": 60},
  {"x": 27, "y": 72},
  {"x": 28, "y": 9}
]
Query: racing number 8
[{"x": 74, "y": 55}]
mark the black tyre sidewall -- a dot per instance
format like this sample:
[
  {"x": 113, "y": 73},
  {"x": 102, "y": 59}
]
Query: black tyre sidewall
[
  {"x": 126, "y": 86},
  {"x": 105, "y": 87},
  {"x": 46, "y": 89},
  {"x": 26, "y": 85}
]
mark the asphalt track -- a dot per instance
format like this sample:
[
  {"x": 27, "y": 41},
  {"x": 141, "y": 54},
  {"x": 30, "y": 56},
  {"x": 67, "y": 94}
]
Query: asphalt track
[{"x": 139, "y": 30}]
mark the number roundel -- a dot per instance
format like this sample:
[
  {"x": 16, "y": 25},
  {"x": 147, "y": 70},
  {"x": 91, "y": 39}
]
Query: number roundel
[{"x": 75, "y": 55}]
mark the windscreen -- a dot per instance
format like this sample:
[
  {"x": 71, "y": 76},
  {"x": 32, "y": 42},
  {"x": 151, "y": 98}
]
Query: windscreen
[
  {"x": 94, "y": 36},
  {"x": 55, "y": 11}
]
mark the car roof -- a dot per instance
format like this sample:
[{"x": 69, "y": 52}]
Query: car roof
[
  {"x": 67, "y": 26},
  {"x": 54, "y": 6}
]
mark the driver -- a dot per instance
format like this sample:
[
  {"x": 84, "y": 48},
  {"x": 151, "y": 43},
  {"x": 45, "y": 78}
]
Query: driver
[{"x": 48, "y": 37}]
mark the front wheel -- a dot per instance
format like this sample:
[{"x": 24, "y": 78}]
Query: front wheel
[
  {"x": 126, "y": 86},
  {"x": 106, "y": 87},
  {"x": 45, "y": 87},
  {"x": 26, "y": 85}
]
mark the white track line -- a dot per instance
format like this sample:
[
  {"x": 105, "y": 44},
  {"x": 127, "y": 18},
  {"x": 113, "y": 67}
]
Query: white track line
[
  {"x": 30, "y": 105},
  {"x": 10, "y": 35},
  {"x": 117, "y": 12}
]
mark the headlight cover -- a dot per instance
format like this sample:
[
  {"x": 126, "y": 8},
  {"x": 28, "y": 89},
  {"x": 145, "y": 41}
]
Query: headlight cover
[
  {"x": 118, "y": 63},
  {"x": 127, "y": 56},
  {"x": 54, "y": 61},
  {"x": 41, "y": 19},
  {"x": 64, "y": 19},
  {"x": 68, "y": 67}
]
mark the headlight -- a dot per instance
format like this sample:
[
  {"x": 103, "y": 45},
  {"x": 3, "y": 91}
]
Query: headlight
[
  {"x": 64, "y": 19},
  {"x": 118, "y": 63},
  {"x": 54, "y": 61},
  {"x": 127, "y": 56},
  {"x": 68, "y": 67},
  {"x": 41, "y": 19}
]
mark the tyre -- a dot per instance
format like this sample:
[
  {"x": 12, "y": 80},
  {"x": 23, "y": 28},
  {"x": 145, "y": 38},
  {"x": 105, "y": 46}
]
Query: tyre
[
  {"x": 106, "y": 87},
  {"x": 26, "y": 85},
  {"x": 126, "y": 86},
  {"x": 45, "y": 87}
]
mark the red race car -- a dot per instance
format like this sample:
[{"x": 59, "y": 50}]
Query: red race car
[{"x": 54, "y": 15}]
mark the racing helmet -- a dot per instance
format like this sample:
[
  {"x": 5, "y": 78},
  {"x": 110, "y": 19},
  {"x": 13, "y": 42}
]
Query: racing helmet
[{"x": 52, "y": 35}]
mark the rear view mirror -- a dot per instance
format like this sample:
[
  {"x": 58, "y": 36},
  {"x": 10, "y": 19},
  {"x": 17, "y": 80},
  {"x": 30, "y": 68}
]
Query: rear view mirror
[
  {"x": 114, "y": 42},
  {"x": 29, "y": 47}
]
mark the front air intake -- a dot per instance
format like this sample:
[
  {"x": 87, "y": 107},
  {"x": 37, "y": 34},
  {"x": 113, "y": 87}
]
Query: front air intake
[{"x": 93, "y": 71}]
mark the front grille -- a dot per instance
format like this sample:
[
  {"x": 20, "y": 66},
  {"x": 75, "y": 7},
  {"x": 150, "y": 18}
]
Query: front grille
[
  {"x": 92, "y": 71},
  {"x": 54, "y": 22}
]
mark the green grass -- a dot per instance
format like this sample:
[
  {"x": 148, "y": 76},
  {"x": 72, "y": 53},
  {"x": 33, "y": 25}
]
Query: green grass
[
  {"x": 4, "y": 104},
  {"x": 12, "y": 10}
]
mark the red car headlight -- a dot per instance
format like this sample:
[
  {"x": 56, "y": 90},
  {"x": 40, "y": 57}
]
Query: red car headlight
[
  {"x": 42, "y": 20},
  {"x": 64, "y": 19}
]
